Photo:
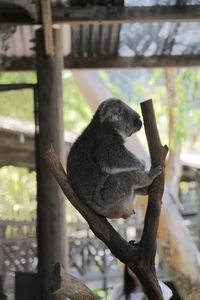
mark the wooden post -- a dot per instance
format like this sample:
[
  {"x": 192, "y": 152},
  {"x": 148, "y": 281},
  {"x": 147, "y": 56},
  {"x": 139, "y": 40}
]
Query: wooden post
[
  {"x": 51, "y": 222},
  {"x": 197, "y": 177}
]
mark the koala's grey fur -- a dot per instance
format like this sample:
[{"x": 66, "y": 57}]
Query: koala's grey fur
[{"x": 102, "y": 172}]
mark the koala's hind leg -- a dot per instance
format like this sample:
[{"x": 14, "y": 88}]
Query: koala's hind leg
[
  {"x": 142, "y": 191},
  {"x": 117, "y": 196}
]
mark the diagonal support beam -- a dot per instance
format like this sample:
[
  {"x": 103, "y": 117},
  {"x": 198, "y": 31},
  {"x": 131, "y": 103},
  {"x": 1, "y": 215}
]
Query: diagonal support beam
[{"x": 47, "y": 27}]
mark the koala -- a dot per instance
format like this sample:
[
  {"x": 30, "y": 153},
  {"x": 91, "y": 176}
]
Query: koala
[{"x": 102, "y": 172}]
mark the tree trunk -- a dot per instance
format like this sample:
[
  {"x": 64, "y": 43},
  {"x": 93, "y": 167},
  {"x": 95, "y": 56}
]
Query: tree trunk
[
  {"x": 178, "y": 251},
  {"x": 173, "y": 164},
  {"x": 197, "y": 177}
]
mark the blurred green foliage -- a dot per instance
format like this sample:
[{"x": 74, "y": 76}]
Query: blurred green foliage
[
  {"x": 17, "y": 194},
  {"x": 18, "y": 188},
  {"x": 103, "y": 294},
  {"x": 140, "y": 85},
  {"x": 19, "y": 104},
  {"x": 77, "y": 112},
  {"x": 188, "y": 123}
]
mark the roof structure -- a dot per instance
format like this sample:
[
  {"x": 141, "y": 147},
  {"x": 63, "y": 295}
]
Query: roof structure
[
  {"x": 105, "y": 34},
  {"x": 18, "y": 145}
]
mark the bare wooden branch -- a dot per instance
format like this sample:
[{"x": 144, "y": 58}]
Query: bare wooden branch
[
  {"x": 158, "y": 154},
  {"x": 98, "y": 224},
  {"x": 121, "y": 249},
  {"x": 47, "y": 26},
  {"x": 62, "y": 283},
  {"x": 139, "y": 258}
]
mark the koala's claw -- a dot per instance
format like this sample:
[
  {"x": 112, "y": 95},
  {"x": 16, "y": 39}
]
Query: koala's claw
[
  {"x": 155, "y": 171},
  {"x": 133, "y": 243},
  {"x": 158, "y": 169}
]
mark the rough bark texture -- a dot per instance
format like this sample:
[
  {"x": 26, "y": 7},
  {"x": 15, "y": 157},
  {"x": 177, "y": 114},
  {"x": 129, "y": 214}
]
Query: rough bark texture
[
  {"x": 139, "y": 258},
  {"x": 157, "y": 154}
]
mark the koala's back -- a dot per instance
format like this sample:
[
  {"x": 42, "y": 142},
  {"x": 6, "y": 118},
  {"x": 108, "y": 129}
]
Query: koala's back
[
  {"x": 82, "y": 166},
  {"x": 103, "y": 192},
  {"x": 102, "y": 172}
]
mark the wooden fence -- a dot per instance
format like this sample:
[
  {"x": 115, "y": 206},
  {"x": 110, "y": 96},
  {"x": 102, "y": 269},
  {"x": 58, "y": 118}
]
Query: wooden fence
[{"x": 88, "y": 257}]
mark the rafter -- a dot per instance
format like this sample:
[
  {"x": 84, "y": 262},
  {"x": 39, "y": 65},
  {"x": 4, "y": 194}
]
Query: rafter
[
  {"x": 102, "y": 62},
  {"x": 71, "y": 62},
  {"x": 15, "y": 86},
  {"x": 105, "y": 14}
]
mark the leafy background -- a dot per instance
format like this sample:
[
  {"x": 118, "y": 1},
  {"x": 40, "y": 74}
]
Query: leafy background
[{"x": 18, "y": 185}]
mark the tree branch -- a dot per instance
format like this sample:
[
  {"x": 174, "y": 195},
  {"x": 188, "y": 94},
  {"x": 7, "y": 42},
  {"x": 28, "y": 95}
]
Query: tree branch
[
  {"x": 140, "y": 259},
  {"x": 158, "y": 154},
  {"x": 62, "y": 283},
  {"x": 98, "y": 224}
]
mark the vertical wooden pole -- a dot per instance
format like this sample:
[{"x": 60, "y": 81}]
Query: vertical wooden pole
[
  {"x": 2, "y": 229},
  {"x": 197, "y": 177},
  {"x": 51, "y": 222}
]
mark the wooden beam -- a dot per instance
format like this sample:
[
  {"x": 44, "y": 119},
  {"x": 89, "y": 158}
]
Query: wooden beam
[
  {"x": 96, "y": 14},
  {"x": 12, "y": 14},
  {"x": 47, "y": 26},
  {"x": 28, "y": 6},
  {"x": 14, "y": 63},
  {"x": 17, "y": 148},
  {"x": 103, "y": 62},
  {"x": 121, "y": 14},
  {"x": 15, "y": 86}
]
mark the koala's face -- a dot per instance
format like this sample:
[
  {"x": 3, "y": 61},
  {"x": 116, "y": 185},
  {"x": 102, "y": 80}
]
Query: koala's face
[{"x": 123, "y": 118}]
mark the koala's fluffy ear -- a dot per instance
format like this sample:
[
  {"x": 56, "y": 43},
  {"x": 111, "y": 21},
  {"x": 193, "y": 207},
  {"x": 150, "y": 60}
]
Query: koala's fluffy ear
[{"x": 109, "y": 111}]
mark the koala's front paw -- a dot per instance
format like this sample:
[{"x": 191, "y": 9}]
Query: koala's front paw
[{"x": 156, "y": 171}]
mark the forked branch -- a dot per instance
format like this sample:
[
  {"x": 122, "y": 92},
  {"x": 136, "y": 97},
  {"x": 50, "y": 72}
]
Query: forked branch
[{"x": 141, "y": 258}]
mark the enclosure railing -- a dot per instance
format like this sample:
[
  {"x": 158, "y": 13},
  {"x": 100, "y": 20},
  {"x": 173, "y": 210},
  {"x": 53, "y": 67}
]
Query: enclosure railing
[{"x": 88, "y": 257}]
